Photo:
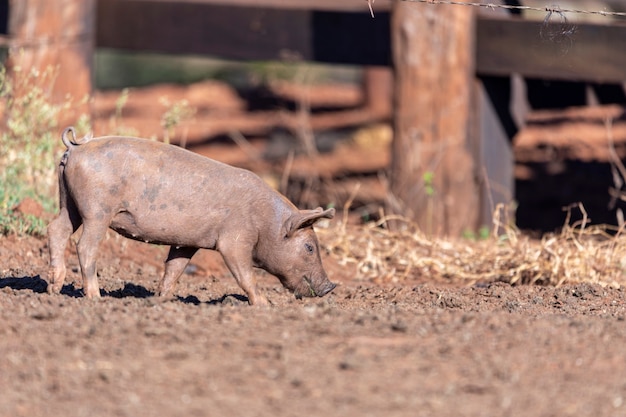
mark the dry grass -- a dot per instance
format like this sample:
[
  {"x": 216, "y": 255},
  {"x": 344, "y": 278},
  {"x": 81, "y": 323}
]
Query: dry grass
[{"x": 577, "y": 254}]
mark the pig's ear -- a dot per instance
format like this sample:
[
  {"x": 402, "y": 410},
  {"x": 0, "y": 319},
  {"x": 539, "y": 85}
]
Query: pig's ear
[{"x": 306, "y": 218}]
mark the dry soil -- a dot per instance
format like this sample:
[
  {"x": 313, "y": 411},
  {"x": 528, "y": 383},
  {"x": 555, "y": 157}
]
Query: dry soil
[{"x": 411, "y": 349}]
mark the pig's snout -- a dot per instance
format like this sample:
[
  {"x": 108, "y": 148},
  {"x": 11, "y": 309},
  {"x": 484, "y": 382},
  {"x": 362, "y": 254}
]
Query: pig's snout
[
  {"x": 327, "y": 288},
  {"x": 309, "y": 289}
]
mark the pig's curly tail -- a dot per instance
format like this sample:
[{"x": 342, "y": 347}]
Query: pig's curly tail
[
  {"x": 73, "y": 141},
  {"x": 66, "y": 140}
]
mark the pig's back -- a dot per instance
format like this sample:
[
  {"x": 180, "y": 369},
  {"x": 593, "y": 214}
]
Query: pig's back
[
  {"x": 139, "y": 155},
  {"x": 134, "y": 160},
  {"x": 162, "y": 191}
]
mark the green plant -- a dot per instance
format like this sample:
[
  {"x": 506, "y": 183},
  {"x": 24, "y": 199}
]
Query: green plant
[
  {"x": 429, "y": 183},
  {"x": 429, "y": 189},
  {"x": 22, "y": 225},
  {"x": 116, "y": 126},
  {"x": 120, "y": 103},
  {"x": 483, "y": 233},
  {"x": 29, "y": 146},
  {"x": 175, "y": 114}
]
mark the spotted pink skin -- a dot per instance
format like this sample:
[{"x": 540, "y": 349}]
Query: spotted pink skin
[{"x": 163, "y": 194}]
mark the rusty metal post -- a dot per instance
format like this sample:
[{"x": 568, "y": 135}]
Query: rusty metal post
[{"x": 378, "y": 86}]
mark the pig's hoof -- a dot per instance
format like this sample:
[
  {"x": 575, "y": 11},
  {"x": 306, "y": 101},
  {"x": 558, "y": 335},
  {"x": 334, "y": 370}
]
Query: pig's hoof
[
  {"x": 233, "y": 300},
  {"x": 262, "y": 304},
  {"x": 93, "y": 295},
  {"x": 258, "y": 301},
  {"x": 164, "y": 298},
  {"x": 53, "y": 289}
]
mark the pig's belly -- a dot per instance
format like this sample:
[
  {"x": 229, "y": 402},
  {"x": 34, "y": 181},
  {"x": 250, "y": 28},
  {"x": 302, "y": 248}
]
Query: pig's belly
[{"x": 164, "y": 230}]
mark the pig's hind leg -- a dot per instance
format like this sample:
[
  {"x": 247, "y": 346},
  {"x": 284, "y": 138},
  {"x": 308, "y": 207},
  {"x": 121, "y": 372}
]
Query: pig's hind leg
[
  {"x": 177, "y": 260},
  {"x": 59, "y": 232},
  {"x": 94, "y": 231}
]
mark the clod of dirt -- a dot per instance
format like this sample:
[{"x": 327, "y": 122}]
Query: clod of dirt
[{"x": 29, "y": 207}]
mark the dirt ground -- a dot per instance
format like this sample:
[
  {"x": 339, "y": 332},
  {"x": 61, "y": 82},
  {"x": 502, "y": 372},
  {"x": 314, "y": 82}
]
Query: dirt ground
[
  {"x": 411, "y": 349},
  {"x": 414, "y": 348}
]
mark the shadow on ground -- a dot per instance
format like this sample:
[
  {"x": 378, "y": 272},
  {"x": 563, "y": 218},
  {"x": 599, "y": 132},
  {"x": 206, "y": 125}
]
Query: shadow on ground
[{"x": 38, "y": 285}]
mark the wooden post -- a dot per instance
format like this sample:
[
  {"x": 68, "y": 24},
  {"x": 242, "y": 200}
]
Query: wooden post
[
  {"x": 433, "y": 178},
  {"x": 58, "y": 36}
]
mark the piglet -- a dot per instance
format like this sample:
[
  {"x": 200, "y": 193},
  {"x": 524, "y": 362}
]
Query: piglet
[{"x": 163, "y": 194}]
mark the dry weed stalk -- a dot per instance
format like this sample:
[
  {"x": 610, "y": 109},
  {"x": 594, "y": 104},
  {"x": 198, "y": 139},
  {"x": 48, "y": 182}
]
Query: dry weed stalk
[{"x": 577, "y": 254}]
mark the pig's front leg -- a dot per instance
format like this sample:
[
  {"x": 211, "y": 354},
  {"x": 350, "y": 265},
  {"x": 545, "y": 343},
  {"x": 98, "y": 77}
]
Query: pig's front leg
[
  {"x": 238, "y": 259},
  {"x": 177, "y": 260}
]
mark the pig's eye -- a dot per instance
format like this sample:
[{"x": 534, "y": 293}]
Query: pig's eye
[{"x": 308, "y": 247}]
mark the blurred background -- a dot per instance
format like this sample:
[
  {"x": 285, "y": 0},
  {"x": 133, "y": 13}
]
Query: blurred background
[{"x": 441, "y": 113}]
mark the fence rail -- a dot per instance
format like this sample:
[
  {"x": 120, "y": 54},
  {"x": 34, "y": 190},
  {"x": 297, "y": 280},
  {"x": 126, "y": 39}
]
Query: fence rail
[{"x": 504, "y": 45}]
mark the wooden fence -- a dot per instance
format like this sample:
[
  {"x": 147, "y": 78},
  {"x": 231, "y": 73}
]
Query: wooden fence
[{"x": 342, "y": 31}]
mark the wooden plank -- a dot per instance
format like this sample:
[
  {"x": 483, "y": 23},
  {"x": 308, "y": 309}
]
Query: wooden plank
[
  {"x": 226, "y": 29},
  {"x": 338, "y": 5},
  {"x": 328, "y": 5},
  {"x": 188, "y": 28},
  {"x": 591, "y": 53},
  {"x": 250, "y": 33}
]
